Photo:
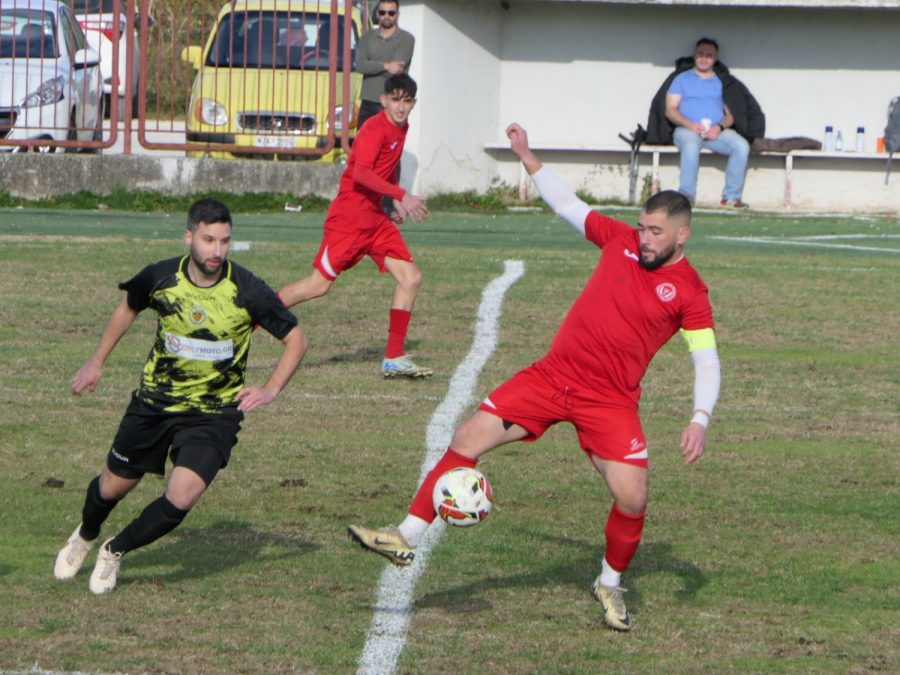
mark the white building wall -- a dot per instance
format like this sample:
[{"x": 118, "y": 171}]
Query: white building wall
[
  {"x": 578, "y": 73},
  {"x": 456, "y": 65}
]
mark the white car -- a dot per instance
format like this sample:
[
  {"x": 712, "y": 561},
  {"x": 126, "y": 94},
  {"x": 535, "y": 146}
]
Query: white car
[
  {"x": 50, "y": 86},
  {"x": 98, "y": 21}
]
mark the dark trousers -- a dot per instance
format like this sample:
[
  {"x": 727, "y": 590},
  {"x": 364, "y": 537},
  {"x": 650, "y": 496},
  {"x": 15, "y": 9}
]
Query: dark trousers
[{"x": 367, "y": 109}]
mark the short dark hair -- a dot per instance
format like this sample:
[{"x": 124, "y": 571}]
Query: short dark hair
[
  {"x": 207, "y": 211},
  {"x": 401, "y": 82},
  {"x": 672, "y": 202},
  {"x": 707, "y": 41}
]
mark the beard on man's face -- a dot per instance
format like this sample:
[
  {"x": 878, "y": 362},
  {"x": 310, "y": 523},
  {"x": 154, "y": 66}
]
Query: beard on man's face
[
  {"x": 658, "y": 261},
  {"x": 201, "y": 263}
]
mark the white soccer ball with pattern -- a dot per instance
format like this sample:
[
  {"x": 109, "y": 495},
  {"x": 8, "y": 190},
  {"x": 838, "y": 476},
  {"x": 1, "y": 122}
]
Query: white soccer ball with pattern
[{"x": 463, "y": 497}]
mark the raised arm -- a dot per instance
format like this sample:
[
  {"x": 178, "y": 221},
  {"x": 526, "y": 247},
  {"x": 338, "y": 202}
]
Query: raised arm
[
  {"x": 552, "y": 188},
  {"x": 518, "y": 143},
  {"x": 90, "y": 373}
]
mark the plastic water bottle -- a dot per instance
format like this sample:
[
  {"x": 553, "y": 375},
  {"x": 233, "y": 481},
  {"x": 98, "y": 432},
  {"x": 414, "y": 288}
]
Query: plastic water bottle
[
  {"x": 839, "y": 142},
  {"x": 829, "y": 139},
  {"x": 860, "y": 139}
]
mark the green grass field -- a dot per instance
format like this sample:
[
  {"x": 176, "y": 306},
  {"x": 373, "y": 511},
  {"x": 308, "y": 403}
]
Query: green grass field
[{"x": 777, "y": 552}]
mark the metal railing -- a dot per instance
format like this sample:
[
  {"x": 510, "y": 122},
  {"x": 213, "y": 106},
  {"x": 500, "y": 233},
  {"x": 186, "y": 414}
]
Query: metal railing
[
  {"x": 260, "y": 83},
  {"x": 243, "y": 79},
  {"x": 51, "y": 89}
]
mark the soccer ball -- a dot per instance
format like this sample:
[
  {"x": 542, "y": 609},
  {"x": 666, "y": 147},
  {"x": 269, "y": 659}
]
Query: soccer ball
[{"x": 463, "y": 497}]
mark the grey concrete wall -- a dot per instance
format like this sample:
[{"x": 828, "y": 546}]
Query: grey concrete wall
[{"x": 34, "y": 176}]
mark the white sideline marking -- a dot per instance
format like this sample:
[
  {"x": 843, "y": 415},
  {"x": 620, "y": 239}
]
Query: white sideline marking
[
  {"x": 830, "y": 237},
  {"x": 808, "y": 244},
  {"x": 393, "y": 609},
  {"x": 368, "y": 397},
  {"x": 811, "y": 268}
]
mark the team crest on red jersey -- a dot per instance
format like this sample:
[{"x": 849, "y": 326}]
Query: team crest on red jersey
[{"x": 666, "y": 291}]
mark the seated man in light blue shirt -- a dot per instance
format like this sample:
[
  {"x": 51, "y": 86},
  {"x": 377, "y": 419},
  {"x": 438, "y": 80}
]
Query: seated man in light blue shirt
[{"x": 695, "y": 105}]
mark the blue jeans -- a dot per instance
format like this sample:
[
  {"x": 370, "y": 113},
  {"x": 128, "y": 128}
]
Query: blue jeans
[{"x": 729, "y": 143}]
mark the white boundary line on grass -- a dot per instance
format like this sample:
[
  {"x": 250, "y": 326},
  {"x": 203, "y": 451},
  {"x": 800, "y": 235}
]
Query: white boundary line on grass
[
  {"x": 838, "y": 237},
  {"x": 393, "y": 609},
  {"x": 806, "y": 243}
]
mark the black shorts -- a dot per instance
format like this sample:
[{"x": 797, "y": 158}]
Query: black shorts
[{"x": 198, "y": 441}]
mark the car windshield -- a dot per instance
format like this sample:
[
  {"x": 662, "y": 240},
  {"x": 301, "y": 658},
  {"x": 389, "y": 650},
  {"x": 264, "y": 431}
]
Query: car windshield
[
  {"x": 95, "y": 6},
  {"x": 29, "y": 33},
  {"x": 286, "y": 40}
]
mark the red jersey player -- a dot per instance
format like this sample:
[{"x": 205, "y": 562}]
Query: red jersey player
[
  {"x": 356, "y": 226},
  {"x": 642, "y": 292}
]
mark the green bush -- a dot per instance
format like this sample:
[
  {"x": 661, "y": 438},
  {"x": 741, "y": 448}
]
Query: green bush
[{"x": 177, "y": 24}]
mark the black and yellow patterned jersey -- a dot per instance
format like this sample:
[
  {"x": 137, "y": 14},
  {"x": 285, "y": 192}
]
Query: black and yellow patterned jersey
[{"x": 203, "y": 334}]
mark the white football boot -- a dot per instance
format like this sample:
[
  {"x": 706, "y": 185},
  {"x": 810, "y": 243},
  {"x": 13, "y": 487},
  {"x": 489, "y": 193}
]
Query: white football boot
[{"x": 70, "y": 559}]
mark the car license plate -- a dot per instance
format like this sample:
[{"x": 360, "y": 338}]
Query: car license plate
[{"x": 273, "y": 141}]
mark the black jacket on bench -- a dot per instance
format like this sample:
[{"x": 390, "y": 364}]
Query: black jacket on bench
[{"x": 749, "y": 119}]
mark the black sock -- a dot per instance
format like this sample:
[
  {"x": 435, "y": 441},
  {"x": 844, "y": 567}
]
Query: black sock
[
  {"x": 96, "y": 510},
  {"x": 158, "y": 518}
]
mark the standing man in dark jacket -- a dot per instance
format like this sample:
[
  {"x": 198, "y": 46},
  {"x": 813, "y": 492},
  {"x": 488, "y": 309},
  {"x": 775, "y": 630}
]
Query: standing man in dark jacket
[{"x": 702, "y": 105}]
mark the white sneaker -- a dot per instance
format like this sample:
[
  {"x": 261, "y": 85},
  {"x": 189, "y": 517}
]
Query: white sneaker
[
  {"x": 403, "y": 366},
  {"x": 70, "y": 559},
  {"x": 103, "y": 578}
]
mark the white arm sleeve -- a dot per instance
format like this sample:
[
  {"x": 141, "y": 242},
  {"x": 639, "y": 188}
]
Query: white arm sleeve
[
  {"x": 561, "y": 198},
  {"x": 707, "y": 378}
]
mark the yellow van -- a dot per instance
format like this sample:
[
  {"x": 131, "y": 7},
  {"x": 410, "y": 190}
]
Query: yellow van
[{"x": 263, "y": 82}]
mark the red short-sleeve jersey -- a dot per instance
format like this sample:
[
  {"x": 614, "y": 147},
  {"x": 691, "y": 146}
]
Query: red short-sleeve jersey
[{"x": 624, "y": 315}]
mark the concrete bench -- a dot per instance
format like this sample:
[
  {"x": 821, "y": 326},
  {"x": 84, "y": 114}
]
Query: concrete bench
[{"x": 655, "y": 151}]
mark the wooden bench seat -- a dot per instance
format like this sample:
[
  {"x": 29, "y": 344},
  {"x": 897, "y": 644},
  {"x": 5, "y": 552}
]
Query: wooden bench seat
[{"x": 655, "y": 151}]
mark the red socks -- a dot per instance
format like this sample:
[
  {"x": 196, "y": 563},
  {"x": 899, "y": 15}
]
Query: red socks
[
  {"x": 623, "y": 531},
  {"x": 422, "y": 504},
  {"x": 623, "y": 536},
  {"x": 396, "y": 345}
]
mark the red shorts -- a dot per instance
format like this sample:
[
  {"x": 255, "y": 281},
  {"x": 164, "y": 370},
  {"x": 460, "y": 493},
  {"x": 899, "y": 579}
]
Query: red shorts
[
  {"x": 341, "y": 249},
  {"x": 535, "y": 401}
]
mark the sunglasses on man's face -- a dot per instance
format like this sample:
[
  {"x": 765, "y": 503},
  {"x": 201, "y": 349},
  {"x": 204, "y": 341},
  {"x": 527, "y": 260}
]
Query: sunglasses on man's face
[{"x": 387, "y": 12}]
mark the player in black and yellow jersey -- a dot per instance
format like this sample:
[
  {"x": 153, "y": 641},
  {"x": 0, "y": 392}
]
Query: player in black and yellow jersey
[{"x": 191, "y": 398}]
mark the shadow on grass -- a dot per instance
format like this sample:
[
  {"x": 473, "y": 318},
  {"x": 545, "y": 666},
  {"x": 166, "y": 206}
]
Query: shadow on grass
[
  {"x": 372, "y": 354},
  {"x": 361, "y": 355},
  {"x": 652, "y": 558},
  {"x": 198, "y": 553}
]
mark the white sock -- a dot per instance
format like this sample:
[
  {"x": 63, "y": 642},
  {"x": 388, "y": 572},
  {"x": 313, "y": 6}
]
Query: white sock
[
  {"x": 413, "y": 529},
  {"x": 608, "y": 576}
]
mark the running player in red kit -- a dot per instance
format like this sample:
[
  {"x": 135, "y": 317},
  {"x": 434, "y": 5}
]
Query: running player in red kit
[
  {"x": 642, "y": 292},
  {"x": 356, "y": 226}
]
